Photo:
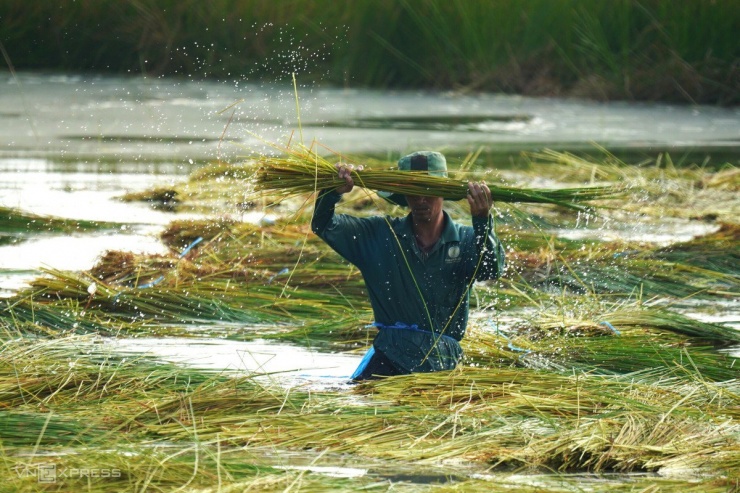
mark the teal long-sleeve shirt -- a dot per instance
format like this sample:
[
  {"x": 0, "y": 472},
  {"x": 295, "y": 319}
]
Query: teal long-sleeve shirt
[{"x": 405, "y": 285}]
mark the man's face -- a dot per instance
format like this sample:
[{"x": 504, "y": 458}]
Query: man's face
[{"x": 425, "y": 209}]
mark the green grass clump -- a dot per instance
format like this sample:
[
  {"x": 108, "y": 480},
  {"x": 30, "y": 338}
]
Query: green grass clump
[
  {"x": 626, "y": 49},
  {"x": 17, "y": 225}
]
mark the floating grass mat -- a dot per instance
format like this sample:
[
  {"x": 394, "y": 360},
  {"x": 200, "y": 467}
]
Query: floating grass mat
[
  {"x": 242, "y": 273},
  {"x": 558, "y": 315},
  {"x": 604, "y": 353},
  {"x": 195, "y": 467},
  {"x": 65, "y": 301},
  {"x": 305, "y": 172},
  {"x": 240, "y": 238},
  {"x": 660, "y": 187},
  {"x": 604, "y": 422},
  {"x": 274, "y": 254},
  {"x": 18, "y": 222},
  {"x": 29, "y": 318},
  {"x": 16, "y": 225},
  {"x": 245, "y": 254},
  {"x": 215, "y": 468},
  {"x": 703, "y": 267},
  {"x": 630, "y": 353},
  {"x": 625, "y": 276},
  {"x": 649, "y": 277},
  {"x": 506, "y": 417},
  {"x": 92, "y": 401},
  {"x": 516, "y": 392},
  {"x": 651, "y": 318},
  {"x": 594, "y": 334},
  {"x": 73, "y": 371},
  {"x": 718, "y": 251},
  {"x": 27, "y": 429},
  {"x": 160, "y": 198},
  {"x": 498, "y": 416},
  {"x": 202, "y": 192}
]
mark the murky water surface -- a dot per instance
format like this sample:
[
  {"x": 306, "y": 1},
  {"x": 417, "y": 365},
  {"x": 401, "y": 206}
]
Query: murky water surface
[{"x": 144, "y": 119}]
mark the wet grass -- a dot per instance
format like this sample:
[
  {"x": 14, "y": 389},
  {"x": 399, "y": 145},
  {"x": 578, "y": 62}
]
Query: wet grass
[
  {"x": 17, "y": 225},
  {"x": 273, "y": 271},
  {"x": 577, "y": 373},
  {"x": 166, "y": 426}
]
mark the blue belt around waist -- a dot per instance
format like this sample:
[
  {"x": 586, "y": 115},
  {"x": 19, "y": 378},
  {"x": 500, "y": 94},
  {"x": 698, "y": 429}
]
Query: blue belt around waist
[
  {"x": 401, "y": 325},
  {"x": 448, "y": 342}
]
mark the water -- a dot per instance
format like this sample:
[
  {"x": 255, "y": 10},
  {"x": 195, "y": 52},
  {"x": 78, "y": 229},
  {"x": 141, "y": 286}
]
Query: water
[
  {"x": 70, "y": 144},
  {"x": 271, "y": 362},
  {"x": 139, "y": 119}
]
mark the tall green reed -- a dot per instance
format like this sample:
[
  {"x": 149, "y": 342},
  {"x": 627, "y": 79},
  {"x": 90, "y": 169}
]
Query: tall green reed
[{"x": 625, "y": 48}]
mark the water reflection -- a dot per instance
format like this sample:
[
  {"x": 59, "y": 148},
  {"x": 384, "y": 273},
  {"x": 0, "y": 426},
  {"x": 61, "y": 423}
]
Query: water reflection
[{"x": 284, "y": 364}]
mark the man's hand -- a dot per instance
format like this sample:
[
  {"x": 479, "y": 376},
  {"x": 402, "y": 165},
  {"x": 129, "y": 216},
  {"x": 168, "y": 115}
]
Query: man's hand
[
  {"x": 345, "y": 174},
  {"x": 479, "y": 198}
]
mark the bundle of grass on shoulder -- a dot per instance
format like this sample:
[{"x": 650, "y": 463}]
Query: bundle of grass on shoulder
[{"x": 305, "y": 172}]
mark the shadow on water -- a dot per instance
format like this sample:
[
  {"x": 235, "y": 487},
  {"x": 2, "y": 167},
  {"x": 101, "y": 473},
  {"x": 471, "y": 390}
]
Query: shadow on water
[{"x": 443, "y": 123}]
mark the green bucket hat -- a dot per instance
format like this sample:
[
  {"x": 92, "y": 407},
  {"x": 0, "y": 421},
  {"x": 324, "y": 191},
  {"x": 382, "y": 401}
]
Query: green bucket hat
[{"x": 432, "y": 162}]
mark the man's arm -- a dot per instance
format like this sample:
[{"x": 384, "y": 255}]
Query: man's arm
[
  {"x": 346, "y": 234},
  {"x": 323, "y": 213},
  {"x": 489, "y": 248}
]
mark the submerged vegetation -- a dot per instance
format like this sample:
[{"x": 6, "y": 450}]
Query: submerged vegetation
[
  {"x": 625, "y": 49},
  {"x": 580, "y": 364}
]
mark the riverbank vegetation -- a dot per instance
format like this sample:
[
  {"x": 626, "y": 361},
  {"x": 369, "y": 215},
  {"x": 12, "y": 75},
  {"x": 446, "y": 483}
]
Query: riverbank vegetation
[
  {"x": 627, "y": 49},
  {"x": 593, "y": 360}
]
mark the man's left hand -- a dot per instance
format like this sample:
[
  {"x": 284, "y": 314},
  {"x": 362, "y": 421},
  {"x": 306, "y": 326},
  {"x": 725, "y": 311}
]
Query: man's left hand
[{"x": 479, "y": 198}]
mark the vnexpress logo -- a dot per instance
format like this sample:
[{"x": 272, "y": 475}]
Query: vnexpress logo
[{"x": 46, "y": 473}]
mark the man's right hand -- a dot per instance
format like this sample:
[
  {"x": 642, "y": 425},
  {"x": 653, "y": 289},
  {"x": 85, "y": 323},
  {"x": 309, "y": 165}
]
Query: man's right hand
[{"x": 345, "y": 174}]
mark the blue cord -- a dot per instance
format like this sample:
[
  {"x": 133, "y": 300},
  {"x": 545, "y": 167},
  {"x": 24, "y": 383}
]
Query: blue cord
[
  {"x": 190, "y": 247},
  {"x": 282, "y": 272},
  {"x": 510, "y": 344},
  {"x": 610, "y": 327},
  {"x": 150, "y": 284},
  {"x": 161, "y": 278}
]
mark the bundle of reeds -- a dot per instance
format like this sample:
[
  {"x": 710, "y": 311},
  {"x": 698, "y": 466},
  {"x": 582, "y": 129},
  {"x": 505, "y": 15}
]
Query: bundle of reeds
[{"x": 304, "y": 172}]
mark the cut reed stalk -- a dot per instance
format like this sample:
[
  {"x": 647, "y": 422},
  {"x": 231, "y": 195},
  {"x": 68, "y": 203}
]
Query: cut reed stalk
[{"x": 304, "y": 172}]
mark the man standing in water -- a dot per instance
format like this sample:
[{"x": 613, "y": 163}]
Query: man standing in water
[{"x": 418, "y": 269}]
